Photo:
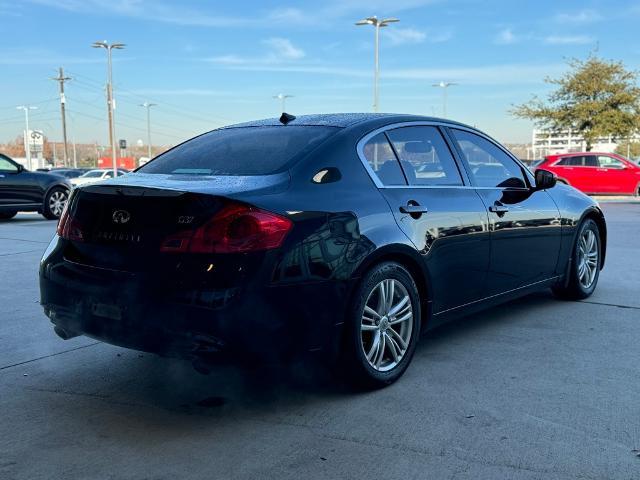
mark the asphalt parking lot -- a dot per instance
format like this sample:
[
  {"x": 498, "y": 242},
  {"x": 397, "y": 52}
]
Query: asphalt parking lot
[{"x": 538, "y": 388}]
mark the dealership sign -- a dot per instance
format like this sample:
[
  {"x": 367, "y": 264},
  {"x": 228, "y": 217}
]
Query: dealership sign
[{"x": 36, "y": 140}]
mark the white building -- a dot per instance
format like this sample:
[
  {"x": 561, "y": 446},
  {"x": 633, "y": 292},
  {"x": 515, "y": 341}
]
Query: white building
[{"x": 548, "y": 142}]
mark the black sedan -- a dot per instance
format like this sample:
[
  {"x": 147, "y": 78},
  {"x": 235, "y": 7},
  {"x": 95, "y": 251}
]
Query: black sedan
[
  {"x": 25, "y": 191},
  {"x": 342, "y": 235}
]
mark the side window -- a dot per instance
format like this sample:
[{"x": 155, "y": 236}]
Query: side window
[
  {"x": 590, "y": 161},
  {"x": 571, "y": 162},
  {"x": 609, "y": 162},
  {"x": 108, "y": 174},
  {"x": 490, "y": 166},
  {"x": 383, "y": 161},
  {"x": 6, "y": 165},
  {"x": 424, "y": 156}
]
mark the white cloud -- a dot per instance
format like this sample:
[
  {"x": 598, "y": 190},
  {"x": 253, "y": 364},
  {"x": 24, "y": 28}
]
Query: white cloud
[
  {"x": 280, "y": 50},
  {"x": 581, "y": 17},
  {"x": 506, "y": 37},
  {"x": 163, "y": 11},
  {"x": 283, "y": 49},
  {"x": 568, "y": 40},
  {"x": 401, "y": 36},
  {"x": 517, "y": 74}
]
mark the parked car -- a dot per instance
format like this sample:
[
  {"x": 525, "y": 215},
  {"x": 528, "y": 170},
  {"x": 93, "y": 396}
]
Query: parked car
[
  {"x": 96, "y": 175},
  {"x": 68, "y": 172},
  {"x": 25, "y": 191},
  {"x": 319, "y": 235},
  {"x": 595, "y": 173}
]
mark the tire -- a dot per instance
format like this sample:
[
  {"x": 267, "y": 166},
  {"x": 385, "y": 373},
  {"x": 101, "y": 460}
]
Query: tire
[
  {"x": 366, "y": 365},
  {"x": 585, "y": 264},
  {"x": 8, "y": 215},
  {"x": 54, "y": 203}
]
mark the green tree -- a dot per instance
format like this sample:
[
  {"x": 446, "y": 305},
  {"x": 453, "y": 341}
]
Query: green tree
[
  {"x": 629, "y": 149},
  {"x": 595, "y": 98}
]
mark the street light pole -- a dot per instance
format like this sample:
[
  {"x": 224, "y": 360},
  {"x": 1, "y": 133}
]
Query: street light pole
[
  {"x": 110, "y": 101},
  {"x": 283, "y": 98},
  {"x": 148, "y": 106},
  {"x": 61, "y": 79},
  {"x": 377, "y": 24},
  {"x": 27, "y": 146},
  {"x": 444, "y": 86}
]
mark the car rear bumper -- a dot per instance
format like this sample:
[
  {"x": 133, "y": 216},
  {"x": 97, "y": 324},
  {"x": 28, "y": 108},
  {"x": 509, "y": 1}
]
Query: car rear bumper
[{"x": 154, "y": 313}]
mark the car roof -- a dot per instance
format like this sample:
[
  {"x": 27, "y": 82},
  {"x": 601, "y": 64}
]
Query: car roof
[
  {"x": 580, "y": 154},
  {"x": 342, "y": 120}
]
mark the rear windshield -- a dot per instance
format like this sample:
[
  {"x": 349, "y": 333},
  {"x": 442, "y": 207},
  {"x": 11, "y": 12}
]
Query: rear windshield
[{"x": 239, "y": 151}]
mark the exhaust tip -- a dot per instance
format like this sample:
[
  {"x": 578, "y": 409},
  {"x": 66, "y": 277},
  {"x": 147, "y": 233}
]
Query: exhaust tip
[{"x": 64, "y": 334}]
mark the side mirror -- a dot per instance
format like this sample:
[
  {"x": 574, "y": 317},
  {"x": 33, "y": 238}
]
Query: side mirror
[
  {"x": 545, "y": 179},
  {"x": 20, "y": 168}
]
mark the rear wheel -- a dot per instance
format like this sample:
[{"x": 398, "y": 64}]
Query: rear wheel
[
  {"x": 8, "y": 215},
  {"x": 54, "y": 203},
  {"x": 585, "y": 264},
  {"x": 383, "y": 327}
]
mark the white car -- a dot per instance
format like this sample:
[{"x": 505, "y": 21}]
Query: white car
[{"x": 95, "y": 176}]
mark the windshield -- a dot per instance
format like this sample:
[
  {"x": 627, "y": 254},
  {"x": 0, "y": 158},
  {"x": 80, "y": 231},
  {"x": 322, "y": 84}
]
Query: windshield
[
  {"x": 240, "y": 151},
  {"x": 93, "y": 174}
]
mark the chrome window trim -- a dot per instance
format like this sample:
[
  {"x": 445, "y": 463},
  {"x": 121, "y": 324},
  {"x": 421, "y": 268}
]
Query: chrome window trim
[{"x": 426, "y": 123}]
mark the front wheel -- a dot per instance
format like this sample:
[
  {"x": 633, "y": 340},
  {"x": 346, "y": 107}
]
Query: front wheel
[
  {"x": 382, "y": 328},
  {"x": 55, "y": 202},
  {"x": 585, "y": 264}
]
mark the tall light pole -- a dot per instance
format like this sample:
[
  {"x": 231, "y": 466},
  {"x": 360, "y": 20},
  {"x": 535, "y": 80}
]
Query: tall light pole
[
  {"x": 61, "y": 79},
  {"x": 148, "y": 106},
  {"x": 444, "y": 86},
  {"x": 377, "y": 24},
  {"x": 283, "y": 98},
  {"x": 110, "y": 101},
  {"x": 27, "y": 147}
]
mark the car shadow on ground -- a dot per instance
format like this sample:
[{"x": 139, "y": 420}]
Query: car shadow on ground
[{"x": 144, "y": 380}]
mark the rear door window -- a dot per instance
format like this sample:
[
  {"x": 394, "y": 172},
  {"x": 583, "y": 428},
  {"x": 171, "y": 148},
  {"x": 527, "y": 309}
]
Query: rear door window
[
  {"x": 424, "y": 156},
  {"x": 240, "y": 151},
  {"x": 571, "y": 162}
]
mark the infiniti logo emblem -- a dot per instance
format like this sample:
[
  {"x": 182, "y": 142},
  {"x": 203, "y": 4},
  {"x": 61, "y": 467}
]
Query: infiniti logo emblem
[{"x": 120, "y": 216}]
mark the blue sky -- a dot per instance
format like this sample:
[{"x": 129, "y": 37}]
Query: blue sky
[{"x": 210, "y": 63}]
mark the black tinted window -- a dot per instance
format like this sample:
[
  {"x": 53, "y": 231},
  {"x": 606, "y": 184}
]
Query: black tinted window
[
  {"x": 490, "y": 165},
  {"x": 424, "y": 156},
  {"x": 383, "y": 161},
  {"x": 239, "y": 151},
  {"x": 571, "y": 161}
]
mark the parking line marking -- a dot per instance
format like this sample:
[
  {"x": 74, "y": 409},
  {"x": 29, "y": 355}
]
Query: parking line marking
[
  {"x": 610, "y": 304},
  {"x": 47, "y": 356},
  {"x": 23, "y": 240}
]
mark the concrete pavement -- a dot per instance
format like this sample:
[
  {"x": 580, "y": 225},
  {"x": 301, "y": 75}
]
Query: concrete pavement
[{"x": 537, "y": 388}]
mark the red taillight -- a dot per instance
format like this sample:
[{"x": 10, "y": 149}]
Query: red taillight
[
  {"x": 68, "y": 227},
  {"x": 236, "y": 228}
]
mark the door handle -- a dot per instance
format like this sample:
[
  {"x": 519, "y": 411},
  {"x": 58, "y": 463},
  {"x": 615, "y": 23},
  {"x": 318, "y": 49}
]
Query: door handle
[
  {"x": 413, "y": 209},
  {"x": 498, "y": 208}
]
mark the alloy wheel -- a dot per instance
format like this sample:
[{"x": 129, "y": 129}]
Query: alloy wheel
[
  {"x": 587, "y": 258},
  {"x": 57, "y": 201},
  {"x": 386, "y": 325}
]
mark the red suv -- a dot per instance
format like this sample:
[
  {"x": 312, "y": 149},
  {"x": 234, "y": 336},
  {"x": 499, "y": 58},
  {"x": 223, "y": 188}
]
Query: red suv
[{"x": 595, "y": 173}]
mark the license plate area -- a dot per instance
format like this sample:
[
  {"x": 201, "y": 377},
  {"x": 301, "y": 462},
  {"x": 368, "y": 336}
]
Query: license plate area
[{"x": 105, "y": 310}]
